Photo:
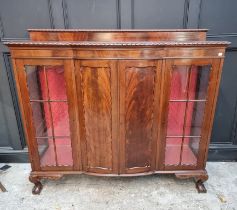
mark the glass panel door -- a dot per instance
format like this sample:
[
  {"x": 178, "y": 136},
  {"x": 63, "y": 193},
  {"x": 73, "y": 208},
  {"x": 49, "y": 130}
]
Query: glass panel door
[
  {"x": 49, "y": 106},
  {"x": 186, "y": 106}
]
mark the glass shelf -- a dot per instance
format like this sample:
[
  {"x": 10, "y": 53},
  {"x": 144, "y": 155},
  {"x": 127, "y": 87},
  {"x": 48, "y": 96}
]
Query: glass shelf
[{"x": 188, "y": 95}]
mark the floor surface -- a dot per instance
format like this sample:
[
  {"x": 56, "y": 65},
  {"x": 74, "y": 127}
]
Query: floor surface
[{"x": 147, "y": 192}]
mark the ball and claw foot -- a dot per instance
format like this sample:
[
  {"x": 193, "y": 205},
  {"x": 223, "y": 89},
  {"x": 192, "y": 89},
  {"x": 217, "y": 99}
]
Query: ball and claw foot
[
  {"x": 200, "y": 187},
  {"x": 37, "y": 188},
  {"x": 37, "y": 184}
]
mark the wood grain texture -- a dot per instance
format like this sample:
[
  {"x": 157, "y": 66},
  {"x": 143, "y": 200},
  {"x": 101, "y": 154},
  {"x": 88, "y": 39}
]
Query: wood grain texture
[
  {"x": 117, "y": 35},
  {"x": 73, "y": 113},
  {"x": 18, "y": 67},
  {"x": 137, "y": 96},
  {"x": 139, "y": 115},
  {"x": 150, "y": 53},
  {"x": 210, "y": 108},
  {"x": 97, "y": 110}
]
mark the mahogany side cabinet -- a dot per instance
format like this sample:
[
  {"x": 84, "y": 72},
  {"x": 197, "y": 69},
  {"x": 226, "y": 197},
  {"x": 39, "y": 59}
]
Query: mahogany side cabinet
[{"x": 117, "y": 102}]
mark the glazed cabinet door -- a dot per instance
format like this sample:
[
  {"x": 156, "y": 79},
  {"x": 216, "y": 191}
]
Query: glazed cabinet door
[
  {"x": 48, "y": 103},
  {"x": 139, "y": 85},
  {"x": 97, "y": 102},
  {"x": 190, "y": 88}
]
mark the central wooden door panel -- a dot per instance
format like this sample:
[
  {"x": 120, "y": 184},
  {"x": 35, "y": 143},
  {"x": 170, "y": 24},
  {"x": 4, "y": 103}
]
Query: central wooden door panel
[
  {"x": 138, "y": 91},
  {"x": 97, "y": 99}
]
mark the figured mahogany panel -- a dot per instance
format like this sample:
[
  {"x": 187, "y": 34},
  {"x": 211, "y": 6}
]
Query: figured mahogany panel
[
  {"x": 137, "y": 114},
  {"x": 95, "y": 87}
]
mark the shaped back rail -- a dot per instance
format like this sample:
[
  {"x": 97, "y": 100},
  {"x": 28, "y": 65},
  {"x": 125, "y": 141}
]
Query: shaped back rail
[{"x": 117, "y": 35}]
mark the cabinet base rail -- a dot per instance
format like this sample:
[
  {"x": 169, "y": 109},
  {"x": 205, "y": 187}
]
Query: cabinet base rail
[{"x": 199, "y": 176}]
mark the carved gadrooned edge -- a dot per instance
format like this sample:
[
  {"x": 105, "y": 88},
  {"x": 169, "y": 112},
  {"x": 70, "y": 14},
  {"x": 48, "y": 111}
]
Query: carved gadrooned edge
[
  {"x": 86, "y": 43},
  {"x": 118, "y": 30}
]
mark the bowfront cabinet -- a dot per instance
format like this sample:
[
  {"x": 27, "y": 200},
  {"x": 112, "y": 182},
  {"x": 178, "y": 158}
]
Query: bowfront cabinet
[{"x": 117, "y": 103}]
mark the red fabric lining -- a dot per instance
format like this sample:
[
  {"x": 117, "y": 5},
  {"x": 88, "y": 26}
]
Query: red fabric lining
[
  {"x": 177, "y": 125},
  {"x": 60, "y": 118},
  {"x": 57, "y": 91}
]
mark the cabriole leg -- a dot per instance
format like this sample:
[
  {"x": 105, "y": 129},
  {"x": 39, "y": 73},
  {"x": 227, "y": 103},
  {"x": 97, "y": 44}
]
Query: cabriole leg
[{"x": 34, "y": 178}]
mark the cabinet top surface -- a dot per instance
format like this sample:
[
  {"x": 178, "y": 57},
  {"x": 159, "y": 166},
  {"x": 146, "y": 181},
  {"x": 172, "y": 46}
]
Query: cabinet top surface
[{"x": 119, "y": 30}]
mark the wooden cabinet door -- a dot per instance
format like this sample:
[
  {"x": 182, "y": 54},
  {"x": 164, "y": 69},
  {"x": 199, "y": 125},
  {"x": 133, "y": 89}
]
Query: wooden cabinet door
[
  {"x": 48, "y": 102},
  {"x": 139, "y": 84},
  {"x": 190, "y": 89},
  {"x": 97, "y": 103}
]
